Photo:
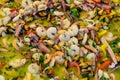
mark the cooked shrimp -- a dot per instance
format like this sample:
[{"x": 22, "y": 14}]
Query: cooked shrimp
[
  {"x": 74, "y": 50},
  {"x": 65, "y": 36},
  {"x": 41, "y": 31},
  {"x": 17, "y": 63},
  {"x": 36, "y": 56},
  {"x": 90, "y": 56},
  {"x": 65, "y": 23},
  {"x": 59, "y": 59},
  {"x": 51, "y": 32},
  {"x": 73, "y": 40},
  {"x": 2, "y": 77},
  {"x": 52, "y": 62},
  {"x": 58, "y": 53},
  {"x": 75, "y": 64},
  {"x": 47, "y": 60},
  {"x": 33, "y": 68},
  {"x": 73, "y": 30},
  {"x": 14, "y": 43}
]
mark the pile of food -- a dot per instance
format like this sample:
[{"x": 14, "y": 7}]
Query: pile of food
[{"x": 59, "y": 39}]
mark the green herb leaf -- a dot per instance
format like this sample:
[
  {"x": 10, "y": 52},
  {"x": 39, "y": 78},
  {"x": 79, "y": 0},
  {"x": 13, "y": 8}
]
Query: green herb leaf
[
  {"x": 74, "y": 12},
  {"x": 114, "y": 45},
  {"x": 41, "y": 59}
]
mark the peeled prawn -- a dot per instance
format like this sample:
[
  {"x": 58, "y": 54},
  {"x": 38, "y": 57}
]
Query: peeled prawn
[
  {"x": 73, "y": 30},
  {"x": 2, "y": 77},
  {"x": 75, "y": 64},
  {"x": 74, "y": 50},
  {"x": 66, "y": 23},
  {"x": 17, "y": 63},
  {"x": 51, "y": 32},
  {"x": 65, "y": 36},
  {"x": 14, "y": 43},
  {"x": 59, "y": 59},
  {"x": 58, "y": 53},
  {"x": 73, "y": 40},
  {"x": 41, "y": 31},
  {"x": 33, "y": 68}
]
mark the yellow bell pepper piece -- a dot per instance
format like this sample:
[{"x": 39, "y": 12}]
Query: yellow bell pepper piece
[
  {"x": 101, "y": 11},
  {"x": 103, "y": 48},
  {"x": 100, "y": 34},
  {"x": 115, "y": 1},
  {"x": 2, "y": 14},
  {"x": 72, "y": 6},
  {"x": 112, "y": 13},
  {"x": 11, "y": 25},
  {"x": 56, "y": 47}
]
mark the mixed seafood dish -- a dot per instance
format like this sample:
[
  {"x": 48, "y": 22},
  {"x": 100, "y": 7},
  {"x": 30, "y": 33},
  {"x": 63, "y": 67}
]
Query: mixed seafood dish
[{"x": 59, "y": 39}]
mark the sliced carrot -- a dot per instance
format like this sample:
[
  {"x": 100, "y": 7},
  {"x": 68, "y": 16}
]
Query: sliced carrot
[
  {"x": 28, "y": 56},
  {"x": 105, "y": 64},
  {"x": 1, "y": 65},
  {"x": 53, "y": 19},
  {"x": 97, "y": 1},
  {"x": 108, "y": 10},
  {"x": 14, "y": 9},
  {"x": 31, "y": 31}
]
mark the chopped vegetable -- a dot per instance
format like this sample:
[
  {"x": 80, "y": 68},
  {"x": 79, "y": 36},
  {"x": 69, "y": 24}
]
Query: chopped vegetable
[
  {"x": 74, "y": 12},
  {"x": 105, "y": 64},
  {"x": 59, "y": 39}
]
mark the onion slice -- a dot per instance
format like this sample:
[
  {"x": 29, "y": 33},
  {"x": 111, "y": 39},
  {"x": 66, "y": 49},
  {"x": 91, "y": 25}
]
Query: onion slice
[{"x": 109, "y": 49}]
